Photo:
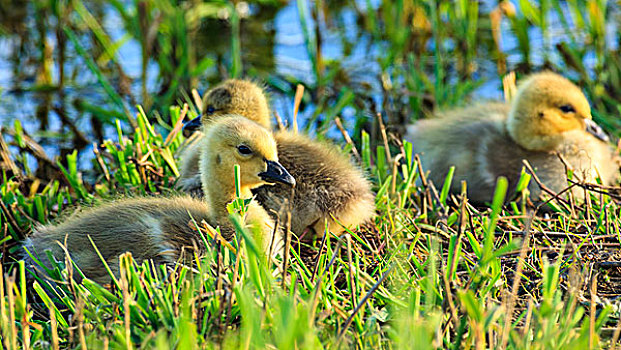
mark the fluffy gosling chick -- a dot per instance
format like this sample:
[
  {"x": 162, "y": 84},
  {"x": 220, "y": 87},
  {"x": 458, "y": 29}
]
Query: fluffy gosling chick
[
  {"x": 327, "y": 182},
  {"x": 233, "y": 96},
  {"x": 159, "y": 228},
  {"x": 549, "y": 114}
]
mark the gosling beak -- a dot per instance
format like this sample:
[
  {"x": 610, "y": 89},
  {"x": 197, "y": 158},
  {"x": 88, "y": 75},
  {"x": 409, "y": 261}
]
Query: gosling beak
[
  {"x": 190, "y": 127},
  {"x": 596, "y": 130},
  {"x": 277, "y": 173}
]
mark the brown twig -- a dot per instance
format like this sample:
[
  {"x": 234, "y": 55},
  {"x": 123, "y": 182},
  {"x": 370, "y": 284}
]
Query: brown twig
[
  {"x": 299, "y": 93},
  {"x": 198, "y": 101},
  {"x": 100, "y": 161},
  {"x": 233, "y": 282},
  {"x": 560, "y": 234},
  {"x": 350, "y": 265},
  {"x": 10, "y": 218},
  {"x": 544, "y": 187},
  {"x": 6, "y": 157},
  {"x": 285, "y": 262},
  {"x": 449, "y": 297},
  {"x": 281, "y": 126},
  {"x": 348, "y": 139},
  {"x": 35, "y": 148},
  {"x": 597, "y": 188},
  {"x": 509, "y": 87},
  {"x": 510, "y": 304},
  {"x": 384, "y": 137},
  {"x": 395, "y": 172},
  {"x": 178, "y": 126},
  {"x": 316, "y": 265}
]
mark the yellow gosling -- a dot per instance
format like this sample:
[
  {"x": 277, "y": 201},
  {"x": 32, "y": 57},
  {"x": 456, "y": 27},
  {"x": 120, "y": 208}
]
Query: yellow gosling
[
  {"x": 328, "y": 184},
  {"x": 233, "y": 96},
  {"x": 160, "y": 228},
  {"x": 549, "y": 115}
]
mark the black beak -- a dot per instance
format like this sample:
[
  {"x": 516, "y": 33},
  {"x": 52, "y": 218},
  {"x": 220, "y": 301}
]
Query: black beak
[
  {"x": 277, "y": 173},
  {"x": 191, "y": 126},
  {"x": 595, "y": 130}
]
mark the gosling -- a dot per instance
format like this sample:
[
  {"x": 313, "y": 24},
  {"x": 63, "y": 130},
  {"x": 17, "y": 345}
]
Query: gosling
[
  {"x": 233, "y": 96},
  {"x": 160, "y": 228},
  {"x": 548, "y": 115},
  {"x": 328, "y": 184}
]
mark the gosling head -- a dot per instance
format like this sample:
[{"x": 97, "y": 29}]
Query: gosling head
[
  {"x": 233, "y": 96},
  {"x": 546, "y": 106},
  {"x": 232, "y": 140}
]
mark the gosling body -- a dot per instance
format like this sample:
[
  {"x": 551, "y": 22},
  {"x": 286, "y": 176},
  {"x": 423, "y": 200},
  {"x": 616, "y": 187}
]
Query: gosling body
[
  {"x": 161, "y": 229},
  {"x": 549, "y": 116},
  {"x": 328, "y": 184},
  {"x": 149, "y": 228}
]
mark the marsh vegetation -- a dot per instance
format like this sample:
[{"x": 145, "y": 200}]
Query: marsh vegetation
[{"x": 92, "y": 97}]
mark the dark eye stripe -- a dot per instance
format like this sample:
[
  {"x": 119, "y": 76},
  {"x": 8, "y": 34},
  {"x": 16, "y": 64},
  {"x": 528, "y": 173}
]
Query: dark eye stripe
[{"x": 210, "y": 109}]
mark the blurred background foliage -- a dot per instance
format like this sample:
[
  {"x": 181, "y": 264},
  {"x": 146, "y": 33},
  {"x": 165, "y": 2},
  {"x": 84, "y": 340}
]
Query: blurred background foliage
[{"x": 69, "y": 69}]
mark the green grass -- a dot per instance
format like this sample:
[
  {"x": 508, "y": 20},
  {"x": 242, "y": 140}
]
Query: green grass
[{"x": 430, "y": 271}]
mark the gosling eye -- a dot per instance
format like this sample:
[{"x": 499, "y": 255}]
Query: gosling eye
[
  {"x": 244, "y": 150},
  {"x": 210, "y": 110},
  {"x": 567, "y": 109}
]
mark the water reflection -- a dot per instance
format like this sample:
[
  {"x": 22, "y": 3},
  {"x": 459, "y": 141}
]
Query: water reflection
[{"x": 60, "y": 102}]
